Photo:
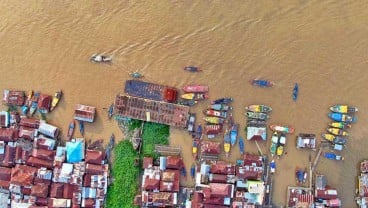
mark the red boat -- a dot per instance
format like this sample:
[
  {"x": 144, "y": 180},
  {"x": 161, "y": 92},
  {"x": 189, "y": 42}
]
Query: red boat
[
  {"x": 212, "y": 129},
  {"x": 70, "y": 130},
  {"x": 196, "y": 88},
  {"x": 210, "y": 112}
]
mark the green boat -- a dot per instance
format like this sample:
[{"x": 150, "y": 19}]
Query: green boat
[
  {"x": 274, "y": 141},
  {"x": 259, "y": 116},
  {"x": 259, "y": 108}
]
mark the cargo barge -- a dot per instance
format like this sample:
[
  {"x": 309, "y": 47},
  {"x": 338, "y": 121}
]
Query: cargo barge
[
  {"x": 151, "y": 91},
  {"x": 151, "y": 110}
]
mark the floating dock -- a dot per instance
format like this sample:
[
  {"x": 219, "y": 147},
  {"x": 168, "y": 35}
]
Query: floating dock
[{"x": 150, "y": 110}]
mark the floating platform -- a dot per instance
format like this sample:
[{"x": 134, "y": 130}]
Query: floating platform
[{"x": 151, "y": 111}]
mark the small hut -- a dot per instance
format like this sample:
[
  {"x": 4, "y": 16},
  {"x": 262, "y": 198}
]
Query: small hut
[{"x": 84, "y": 113}]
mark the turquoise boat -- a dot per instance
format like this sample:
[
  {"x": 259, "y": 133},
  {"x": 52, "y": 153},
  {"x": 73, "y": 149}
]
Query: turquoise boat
[
  {"x": 241, "y": 146},
  {"x": 234, "y": 134}
]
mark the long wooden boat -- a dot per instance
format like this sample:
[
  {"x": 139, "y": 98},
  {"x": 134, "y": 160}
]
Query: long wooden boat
[
  {"x": 224, "y": 100},
  {"x": 259, "y": 108},
  {"x": 295, "y": 92},
  {"x": 343, "y": 109},
  {"x": 192, "y": 170},
  {"x": 241, "y": 146},
  {"x": 281, "y": 145},
  {"x": 220, "y": 107},
  {"x": 211, "y": 112},
  {"x": 280, "y": 128},
  {"x": 274, "y": 143},
  {"x": 70, "y": 130},
  {"x": 337, "y": 132},
  {"x": 234, "y": 134},
  {"x": 342, "y": 117},
  {"x": 56, "y": 99},
  {"x": 340, "y": 125},
  {"x": 81, "y": 127},
  {"x": 227, "y": 144},
  {"x": 195, "y": 147},
  {"x": 334, "y": 139},
  {"x": 333, "y": 156},
  {"x": 261, "y": 83},
  {"x": 195, "y": 96},
  {"x": 259, "y": 116},
  {"x": 192, "y": 69},
  {"x": 110, "y": 111},
  {"x": 33, "y": 107},
  {"x": 214, "y": 120},
  {"x": 187, "y": 102},
  {"x": 195, "y": 88}
]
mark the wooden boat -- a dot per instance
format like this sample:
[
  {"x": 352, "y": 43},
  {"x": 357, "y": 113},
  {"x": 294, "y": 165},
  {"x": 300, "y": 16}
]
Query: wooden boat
[
  {"x": 279, "y": 150},
  {"x": 224, "y": 100},
  {"x": 192, "y": 170},
  {"x": 187, "y": 102},
  {"x": 280, "y": 145},
  {"x": 110, "y": 111},
  {"x": 192, "y": 69},
  {"x": 212, "y": 129},
  {"x": 241, "y": 146},
  {"x": 227, "y": 144},
  {"x": 70, "y": 130},
  {"x": 81, "y": 127},
  {"x": 136, "y": 75},
  {"x": 333, "y": 156},
  {"x": 195, "y": 96},
  {"x": 259, "y": 116},
  {"x": 259, "y": 108},
  {"x": 183, "y": 172},
  {"x": 56, "y": 99},
  {"x": 214, "y": 120},
  {"x": 234, "y": 134},
  {"x": 340, "y": 125},
  {"x": 334, "y": 139},
  {"x": 100, "y": 58},
  {"x": 337, "y": 132},
  {"x": 306, "y": 141},
  {"x": 295, "y": 92},
  {"x": 342, "y": 117},
  {"x": 343, "y": 109},
  {"x": 195, "y": 147},
  {"x": 191, "y": 122},
  {"x": 272, "y": 166},
  {"x": 29, "y": 98},
  {"x": 274, "y": 143},
  {"x": 198, "y": 133},
  {"x": 33, "y": 107},
  {"x": 256, "y": 123},
  {"x": 211, "y": 112},
  {"x": 284, "y": 129},
  {"x": 220, "y": 107},
  {"x": 301, "y": 176},
  {"x": 261, "y": 83},
  {"x": 196, "y": 88}
]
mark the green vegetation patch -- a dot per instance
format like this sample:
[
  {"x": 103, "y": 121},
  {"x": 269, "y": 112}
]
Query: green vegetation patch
[
  {"x": 154, "y": 133},
  {"x": 125, "y": 184}
]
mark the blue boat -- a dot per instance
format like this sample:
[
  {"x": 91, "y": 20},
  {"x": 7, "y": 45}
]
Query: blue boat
[
  {"x": 192, "y": 69},
  {"x": 261, "y": 83},
  {"x": 198, "y": 133},
  {"x": 241, "y": 145},
  {"x": 24, "y": 109},
  {"x": 110, "y": 111},
  {"x": 301, "y": 176},
  {"x": 342, "y": 117},
  {"x": 225, "y": 100},
  {"x": 273, "y": 166},
  {"x": 234, "y": 134},
  {"x": 295, "y": 91},
  {"x": 183, "y": 172},
  {"x": 81, "y": 127},
  {"x": 192, "y": 171},
  {"x": 333, "y": 156}
]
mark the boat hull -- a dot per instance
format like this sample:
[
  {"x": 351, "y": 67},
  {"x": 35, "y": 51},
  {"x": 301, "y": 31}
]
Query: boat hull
[
  {"x": 259, "y": 116},
  {"x": 195, "y": 88},
  {"x": 342, "y": 117},
  {"x": 261, "y": 83},
  {"x": 343, "y": 109},
  {"x": 195, "y": 96},
  {"x": 284, "y": 129},
  {"x": 259, "y": 108}
]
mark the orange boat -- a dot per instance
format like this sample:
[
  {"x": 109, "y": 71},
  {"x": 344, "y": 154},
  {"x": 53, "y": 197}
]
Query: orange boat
[{"x": 284, "y": 129}]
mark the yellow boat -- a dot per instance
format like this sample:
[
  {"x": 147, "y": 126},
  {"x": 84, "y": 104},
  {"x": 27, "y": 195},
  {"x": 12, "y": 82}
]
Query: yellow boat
[
  {"x": 338, "y": 132},
  {"x": 280, "y": 150},
  {"x": 195, "y": 96},
  {"x": 329, "y": 137},
  {"x": 56, "y": 99},
  {"x": 29, "y": 98},
  {"x": 227, "y": 147},
  {"x": 214, "y": 120},
  {"x": 340, "y": 125}
]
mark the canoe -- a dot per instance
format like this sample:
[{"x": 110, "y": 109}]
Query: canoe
[
  {"x": 224, "y": 100},
  {"x": 274, "y": 142},
  {"x": 110, "y": 111},
  {"x": 343, "y": 109},
  {"x": 81, "y": 127},
  {"x": 329, "y": 137},
  {"x": 258, "y": 108},
  {"x": 340, "y": 125},
  {"x": 214, "y": 120},
  {"x": 33, "y": 107},
  {"x": 187, "y": 102},
  {"x": 192, "y": 171},
  {"x": 192, "y": 69},
  {"x": 261, "y": 83},
  {"x": 196, "y": 88},
  {"x": 259, "y": 116},
  {"x": 342, "y": 117},
  {"x": 191, "y": 122},
  {"x": 70, "y": 130},
  {"x": 227, "y": 143},
  {"x": 24, "y": 109},
  {"x": 234, "y": 134},
  {"x": 284, "y": 129},
  {"x": 334, "y": 139},
  {"x": 56, "y": 99},
  {"x": 280, "y": 145},
  {"x": 301, "y": 176},
  {"x": 295, "y": 92},
  {"x": 337, "y": 132},
  {"x": 195, "y": 96},
  {"x": 212, "y": 129},
  {"x": 220, "y": 107},
  {"x": 183, "y": 172},
  {"x": 333, "y": 156},
  {"x": 273, "y": 166},
  {"x": 211, "y": 112},
  {"x": 241, "y": 146},
  {"x": 29, "y": 98},
  {"x": 280, "y": 150},
  {"x": 198, "y": 132},
  {"x": 195, "y": 146}
]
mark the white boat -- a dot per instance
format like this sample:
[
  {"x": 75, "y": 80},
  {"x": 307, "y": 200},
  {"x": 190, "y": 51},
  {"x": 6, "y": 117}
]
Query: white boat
[{"x": 100, "y": 58}]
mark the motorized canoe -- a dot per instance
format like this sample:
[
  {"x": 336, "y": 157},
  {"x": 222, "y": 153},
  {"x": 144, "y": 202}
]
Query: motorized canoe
[
  {"x": 33, "y": 107},
  {"x": 337, "y": 132},
  {"x": 259, "y": 116},
  {"x": 110, "y": 112},
  {"x": 301, "y": 176},
  {"x": 192, "y": 170},
  {"x": 220, "y": 107},
  {"x": 273, "y": 166},
  {"x": 343, "y": 109},
  {"x": 342, "y": 117},
  {"x": 211, "y": 112},
  {"x": 259, "y": 108},
  {"x": 284, "y": 129},
  {"x": 241, "y": 146},
  {"x": 234, "y": 134},
  {"x": 81, "y": 127},
  {"x": 333, "y": 156},
  {"x": 340, "y": 125},
  {"x": 187, "y": 102},
  {"x": 195, "y": 96},
  {"x": 295, "y": 92},
  {"x": 70, "y": 130},
  {"x": 195, "y": 146},
  {"x": 224, "y": 100},
  {"x": 334, "y": 139},
  {"x": 214, "y": 120},
  {"x": 56, "y": 99},
  {"x": 274, "y": 143},
  {"x": 261, "y": 83},
  {"x": 195, "y": 88},
  {"x": 192, "y": 69}
]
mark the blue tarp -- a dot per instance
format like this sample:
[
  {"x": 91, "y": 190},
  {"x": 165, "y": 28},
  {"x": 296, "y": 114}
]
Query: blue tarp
[{"x": 75, "y": 151}]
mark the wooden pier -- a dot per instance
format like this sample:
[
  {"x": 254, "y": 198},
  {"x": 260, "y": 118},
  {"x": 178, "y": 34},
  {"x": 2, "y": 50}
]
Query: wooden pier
[{"x": 167, "y": 150}]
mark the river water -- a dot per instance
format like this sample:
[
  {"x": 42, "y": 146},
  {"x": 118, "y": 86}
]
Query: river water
[{"x": 322, "y": 45}]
